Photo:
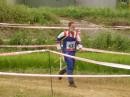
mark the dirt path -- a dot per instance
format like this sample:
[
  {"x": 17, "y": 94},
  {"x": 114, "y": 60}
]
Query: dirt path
[{"x": 87, "y": 87}]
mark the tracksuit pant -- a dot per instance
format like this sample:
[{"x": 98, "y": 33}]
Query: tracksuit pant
[{"x": 70, "y": 64}]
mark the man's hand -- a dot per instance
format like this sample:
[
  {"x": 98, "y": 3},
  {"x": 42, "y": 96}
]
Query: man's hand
[
  {"x": 79, "y": 47},
  {"x": 58, "y": 46}
]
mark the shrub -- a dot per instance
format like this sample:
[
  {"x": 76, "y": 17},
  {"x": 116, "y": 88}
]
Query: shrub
[
  {"x": 120, "y": 42},
  {"x": 24, "y": 14},
  {"x": 102, "y": 41},
  {"x": 43, "y": 17},
  {"x": 41, "y": 41},
  {"x": 112, "y": 41},
  {"x": 20, "y": 38},
  {"x": 1, "y": 41}
]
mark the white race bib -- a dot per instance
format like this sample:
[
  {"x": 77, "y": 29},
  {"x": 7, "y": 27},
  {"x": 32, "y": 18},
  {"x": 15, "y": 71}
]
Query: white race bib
[{"x": 70, "y": 45}]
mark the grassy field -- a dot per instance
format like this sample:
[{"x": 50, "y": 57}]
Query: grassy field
[
  {"x": 108, "y": 40},
  {"x": 39, "y": 63},
  {"x": 40, "y": 87},
  {"x": 44, "y": 15},
  {"x": 12, "y": 86}
]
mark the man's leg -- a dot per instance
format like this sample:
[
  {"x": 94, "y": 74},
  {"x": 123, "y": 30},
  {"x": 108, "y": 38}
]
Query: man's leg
[
  {"x": 70, "y": 67},
  {"x": 63, "y": 71}
]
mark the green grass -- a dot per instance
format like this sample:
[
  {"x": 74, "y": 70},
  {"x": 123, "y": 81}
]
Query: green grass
[
  {"x": 96, "y": 15},
  {"x": 105, "y": 58},
  {"x": 107, "y": 40},
  {"x": 47, "y": 15},
  {"x": 24, "y": 14},
  {"x": 114, "y": 40},
  {"x": 38, "y": 63}
]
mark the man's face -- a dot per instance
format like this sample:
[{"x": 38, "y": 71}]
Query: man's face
[{"x": 72, "y": 27}]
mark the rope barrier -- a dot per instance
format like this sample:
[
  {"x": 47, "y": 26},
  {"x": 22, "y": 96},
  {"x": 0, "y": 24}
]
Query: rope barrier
[
  {"x": 48, "y": 75},
  {"x": 21, "y": 53},
  {"x": 54, "y": 46},
  {"x": 25, "y": 26},
  {"x": 104, "y": 51},
  {"x": 76, "y": 58},
  {"x": 27, "y": 46},
  {"x": 123, "y": 66}
]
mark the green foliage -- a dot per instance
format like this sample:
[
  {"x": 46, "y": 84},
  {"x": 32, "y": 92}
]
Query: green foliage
[
  {"x": 24, "y": 14},
  {"x": 38, "y": 63},
  {"x": 97, "y": 15},
  {"x": 120, "y": 42},
  {"x": 41, "y": 41},
  {"x": 123, "y": 4},
  {"x": 20, "y": 38},
  {"x": 102, "y": 41},
  {"x": 45, "y": 15},
  {"x": 110, "y": 41},
  {"x": 1, "y": 41}
]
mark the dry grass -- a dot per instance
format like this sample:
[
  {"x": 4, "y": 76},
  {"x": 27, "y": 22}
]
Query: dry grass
[{"x": 87, "y": 87}]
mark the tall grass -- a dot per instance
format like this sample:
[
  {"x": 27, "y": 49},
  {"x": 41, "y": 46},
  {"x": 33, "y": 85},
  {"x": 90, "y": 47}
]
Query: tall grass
[
  {"x": 24, "y": 14},
  {"x": 108, "y": 40},
  {"x": 103, "y": 40},
  {"x": 46, "y": 15},
  {"x": 20, "y": 38},
  {"x": 1, "y": 41},
  {"x": 39, "y": 63},
  {"x": 29, "y": 37},
  {"x": 97, "y": 15}
]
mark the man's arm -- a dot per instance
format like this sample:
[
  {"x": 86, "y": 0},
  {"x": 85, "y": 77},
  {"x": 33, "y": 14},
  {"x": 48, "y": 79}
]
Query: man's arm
[
  {"x": 59, "y": 38},
  {"x": 79, "y": 45}
]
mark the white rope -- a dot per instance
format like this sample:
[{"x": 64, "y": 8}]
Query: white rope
[
  {"x": 27, "y": 46},
  {"x": 115, "y": 65},
  {"x": 21, "y": 53},
  {"x": 48, "y": 75},
  {"x": 54, "y": 46},
  {"x": 94, "y": 62},
  {"x": 25, "y": 26},
  {"x": 104, "y": 51},
  {"x": 77, "y": 58}
]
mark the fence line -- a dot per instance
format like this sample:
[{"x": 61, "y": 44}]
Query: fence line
[
  {"x": 104, "y": 51},
  {"x": 55, "y": 76},
  {"x": 54, "y": 46},
  {"x": 26, "y": 26},
  {"x": 27, "y": 46},
  {"x": 21, "y": 53},
  {"x": 123, "y": 66},
  {"x": 115, "y": 65}
]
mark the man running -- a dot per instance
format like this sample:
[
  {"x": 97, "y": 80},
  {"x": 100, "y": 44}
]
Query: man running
[{"x": 69, "y": 40}]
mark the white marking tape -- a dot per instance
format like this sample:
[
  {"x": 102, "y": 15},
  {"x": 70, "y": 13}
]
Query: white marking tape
[
  {"x": 123, "y": 66},
  {"x": 104, "y": 51},
  {"x": 7, "y": 25},
  {"x": 14, "y": 24},
  {"x": 94, "y": 62},
  {"x": 54, "y": 46},
  {"x": 27, "y": 46},
  {"x": 21, "y": 53},
  {"x": 48, "y": 75}
]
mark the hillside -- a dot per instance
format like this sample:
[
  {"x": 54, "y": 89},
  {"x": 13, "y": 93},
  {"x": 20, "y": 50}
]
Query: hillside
[{"x": 46, "y": 15}]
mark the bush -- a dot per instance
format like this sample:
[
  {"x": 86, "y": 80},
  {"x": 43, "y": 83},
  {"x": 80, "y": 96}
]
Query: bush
[
  {"x": 102, "y": 41},
  {"x": 120, "y": 42},
  {"x": 41, "y": 41},
  {"x": 43, "y": 17},
  {"x": 20, "y": 38},
  {"x": 24, "y": 14},
  {"x": 111, "y": 41},
  {"x": 1, "y": 41}
]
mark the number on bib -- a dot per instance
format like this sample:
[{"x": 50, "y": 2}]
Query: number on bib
[{"x": 71, "y": 45}]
